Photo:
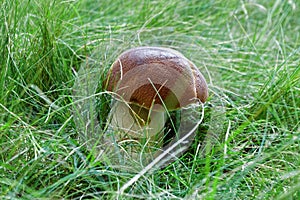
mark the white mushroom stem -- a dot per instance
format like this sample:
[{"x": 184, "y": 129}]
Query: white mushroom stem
[{"x": 126, "y": 124}]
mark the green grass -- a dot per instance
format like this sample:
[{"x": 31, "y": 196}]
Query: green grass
[{"x": 248, "y": 51}]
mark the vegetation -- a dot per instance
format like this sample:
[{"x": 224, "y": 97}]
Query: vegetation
[{"x": 249, "y": 52}]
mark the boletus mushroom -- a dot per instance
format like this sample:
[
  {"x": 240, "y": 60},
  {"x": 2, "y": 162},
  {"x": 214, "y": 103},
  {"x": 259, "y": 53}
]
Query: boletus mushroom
[{"x": 147, "y": 82}]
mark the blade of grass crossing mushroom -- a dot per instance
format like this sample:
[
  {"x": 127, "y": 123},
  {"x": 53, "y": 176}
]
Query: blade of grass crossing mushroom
[{"x": 159, "y": 160}]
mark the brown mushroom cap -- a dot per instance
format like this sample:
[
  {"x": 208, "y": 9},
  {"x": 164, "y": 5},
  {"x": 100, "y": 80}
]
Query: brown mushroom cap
[{"x": 147, "y": 75}]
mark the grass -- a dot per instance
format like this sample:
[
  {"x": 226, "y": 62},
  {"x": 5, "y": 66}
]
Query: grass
[{"x": 248, "y": 51}]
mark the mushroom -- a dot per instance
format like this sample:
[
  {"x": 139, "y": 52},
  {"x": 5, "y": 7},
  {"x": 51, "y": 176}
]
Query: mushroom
[{"x": 146, "y": 83}]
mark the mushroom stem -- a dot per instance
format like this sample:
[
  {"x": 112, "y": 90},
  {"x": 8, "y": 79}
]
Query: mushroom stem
[{"x": 133, "y": 123}]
